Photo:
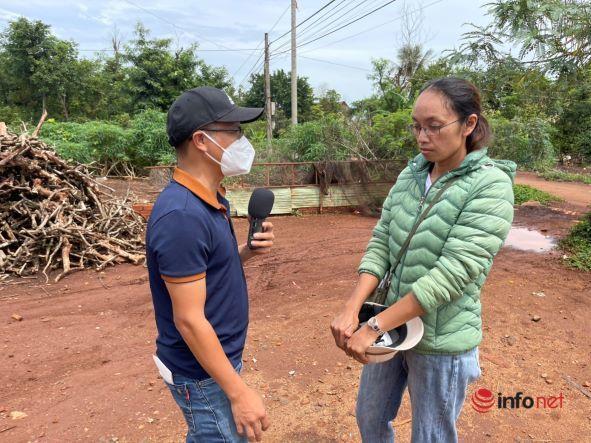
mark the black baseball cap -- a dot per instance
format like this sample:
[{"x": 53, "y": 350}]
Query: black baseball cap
[{"x": 198, "y": 107}]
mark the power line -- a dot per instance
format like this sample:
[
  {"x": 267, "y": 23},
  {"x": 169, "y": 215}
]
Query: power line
[
  {"x": 258, "y": 69},
  {"x": 336, "y": 64},
  {"x": 338, "y": 21},
  {"x": 321, "y": 18},
  {"x": 279, "y": 57},
  {"x": 252, "y": 69},
  {"x": 247, "y": 59},
  {"x": 278, "y": 20},
  {"x": 254, "y": 66},
  {"x": 343, "y": 26},
  {"x": 348, "y": 24},
  {"x": 147, "y": 11},
  {"x": 198, "y": 50},
  {"x": 226, "y": 50},
  {"x": 283, "y": 35},
  {"x": 333, "y": 10},
  {"x": 327, "y": 62},
  {"x": 302, "y": 22},
  {"x": 371, "y": 29},
  {"x": 261, "y": 42}
]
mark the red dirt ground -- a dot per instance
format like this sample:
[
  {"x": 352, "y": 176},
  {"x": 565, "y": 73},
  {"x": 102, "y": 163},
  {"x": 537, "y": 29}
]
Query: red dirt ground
[{"x": 79, "y": 363}]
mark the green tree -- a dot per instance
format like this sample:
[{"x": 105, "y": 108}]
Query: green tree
[
  {"x": 437, "y": 69},
  {"x": 553, "y": 34},
  {"x": 5, "y": 91},
  {"x": 411, "y": 58},
  {"x": 514, "y": 89},
  {"x": 156, "y": 75},
  {"x": 93, "y": 93},
  {"x": 367, "y": 107},
  {"x": 574, "y": 121},
  {"x": 56, "y": 72},
  {"x": 215, "y": 76},
  {"x": 40, "y": 71},
  {"x": 281, "y": 94},
  {"x": 26, "y": 46},
  {"x": 330, "y": 102},
  {"x": 382, "y": 80},
  {"x": 112, "y": 83}
]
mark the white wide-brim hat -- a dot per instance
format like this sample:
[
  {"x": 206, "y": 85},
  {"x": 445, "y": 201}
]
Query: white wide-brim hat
[{"x": 402, "y": 338}]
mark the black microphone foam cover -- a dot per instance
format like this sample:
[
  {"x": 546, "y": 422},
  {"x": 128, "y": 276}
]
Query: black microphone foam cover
[{"x": 261, "y": 203}]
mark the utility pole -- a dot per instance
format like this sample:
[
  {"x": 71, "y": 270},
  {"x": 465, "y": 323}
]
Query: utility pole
[
  {"x": 268, "y": 110},
  {"x": 294, "y": 70}
]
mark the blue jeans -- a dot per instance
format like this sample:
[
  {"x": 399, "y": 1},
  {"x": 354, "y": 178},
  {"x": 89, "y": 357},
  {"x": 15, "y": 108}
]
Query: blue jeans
[
  {"x": 206, "y": 409},
  {"x": 437, "y": 388}
]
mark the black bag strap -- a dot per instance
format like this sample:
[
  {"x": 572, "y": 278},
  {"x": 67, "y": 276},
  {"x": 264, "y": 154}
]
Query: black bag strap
[{"x": 416, "y": 226}]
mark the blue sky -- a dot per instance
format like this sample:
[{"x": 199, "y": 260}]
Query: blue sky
[{"x": 223, "y": 24}]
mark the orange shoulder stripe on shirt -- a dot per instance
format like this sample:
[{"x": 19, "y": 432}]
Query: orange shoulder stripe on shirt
[{"x": 187, "y": 279}]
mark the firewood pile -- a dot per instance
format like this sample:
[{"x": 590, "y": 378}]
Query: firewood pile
[{"x": 55, "y": 218}]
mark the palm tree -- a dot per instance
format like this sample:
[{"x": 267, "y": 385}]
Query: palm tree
[{"x": 410, "y": 59}]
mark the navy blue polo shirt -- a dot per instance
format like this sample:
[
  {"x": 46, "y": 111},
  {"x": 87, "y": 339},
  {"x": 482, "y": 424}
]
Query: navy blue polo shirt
[{"x": 190, "y": 237}]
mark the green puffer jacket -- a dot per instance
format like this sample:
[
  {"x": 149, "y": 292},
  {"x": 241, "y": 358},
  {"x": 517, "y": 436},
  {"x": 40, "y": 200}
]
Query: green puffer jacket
[{"x": 451, "y": 253}]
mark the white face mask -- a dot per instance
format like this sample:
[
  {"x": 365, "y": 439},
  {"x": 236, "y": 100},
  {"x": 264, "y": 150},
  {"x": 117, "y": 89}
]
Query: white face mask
[{"x": 237, "y": 158}]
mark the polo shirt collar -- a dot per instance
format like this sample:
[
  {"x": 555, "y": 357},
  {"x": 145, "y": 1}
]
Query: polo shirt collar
[{"x": 199, "y": 189}]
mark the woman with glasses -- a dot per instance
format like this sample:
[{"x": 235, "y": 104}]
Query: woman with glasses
[{"x": 440, "y": 274}]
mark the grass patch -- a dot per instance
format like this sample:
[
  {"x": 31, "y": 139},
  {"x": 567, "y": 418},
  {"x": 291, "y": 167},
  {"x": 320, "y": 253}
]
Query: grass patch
[
  {"x": 562, "y": 176},
  {"x": 577, "y": 244},
  {"x": 525, "y": 193}
]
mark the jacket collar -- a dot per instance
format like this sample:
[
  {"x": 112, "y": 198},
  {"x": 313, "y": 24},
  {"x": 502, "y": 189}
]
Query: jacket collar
[{"x": 475, "y": 159}]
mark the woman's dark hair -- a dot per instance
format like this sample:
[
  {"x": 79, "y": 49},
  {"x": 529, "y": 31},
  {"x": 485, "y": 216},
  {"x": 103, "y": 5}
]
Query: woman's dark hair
[{"x": 464, "y": 99}]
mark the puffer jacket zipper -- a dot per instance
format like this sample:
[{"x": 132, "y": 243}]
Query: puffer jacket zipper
[{"x": 419, "y": 208}]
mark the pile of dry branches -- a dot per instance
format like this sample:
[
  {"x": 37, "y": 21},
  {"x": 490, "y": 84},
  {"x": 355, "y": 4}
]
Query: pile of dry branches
[{"x": 55, "y": 217}]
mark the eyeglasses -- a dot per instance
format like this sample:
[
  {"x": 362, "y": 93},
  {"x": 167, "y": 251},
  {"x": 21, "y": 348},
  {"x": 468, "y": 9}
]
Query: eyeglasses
[
  {"x": 238, "y": 130},
  {"x": 429, "y": 130}
]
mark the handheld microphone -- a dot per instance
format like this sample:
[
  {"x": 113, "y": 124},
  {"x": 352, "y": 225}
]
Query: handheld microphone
[{"x": 259, "y": 208}]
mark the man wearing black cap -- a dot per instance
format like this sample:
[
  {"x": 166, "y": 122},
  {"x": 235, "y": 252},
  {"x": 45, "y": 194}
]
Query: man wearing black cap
[{"x": 196, "y": 275}]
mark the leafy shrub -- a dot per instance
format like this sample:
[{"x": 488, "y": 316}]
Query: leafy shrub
[
  {"x": 389, "y": 136},
  {"x": 528, "y": 142},
  {"x": 113, "y": 147},
  {"x": 95, "y": 141},
  {"x": 325, "y": 139},
  {"x": 524, "y": 193},
  {"x": 562, "y": 176},
  {"x": 578, "y": 244},
  {"x": 149, "y": 142},
  {"x": 12, "y": 116}
]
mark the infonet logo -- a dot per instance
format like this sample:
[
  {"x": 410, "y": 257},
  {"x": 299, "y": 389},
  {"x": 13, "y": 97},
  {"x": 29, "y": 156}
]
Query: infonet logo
[{"x": 483, "y": 400}]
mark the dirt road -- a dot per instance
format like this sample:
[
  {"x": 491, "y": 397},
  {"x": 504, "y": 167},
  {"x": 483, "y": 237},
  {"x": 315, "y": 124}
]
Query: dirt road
[
  {"x": 79, "y": 363},
  {"x": 577, "y": 194}
]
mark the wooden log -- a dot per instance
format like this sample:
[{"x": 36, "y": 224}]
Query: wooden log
[
  {"x": 38, "y": 128},
  {"x": 66, "y": 248},
  {"x": 48, "y": 205}
]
